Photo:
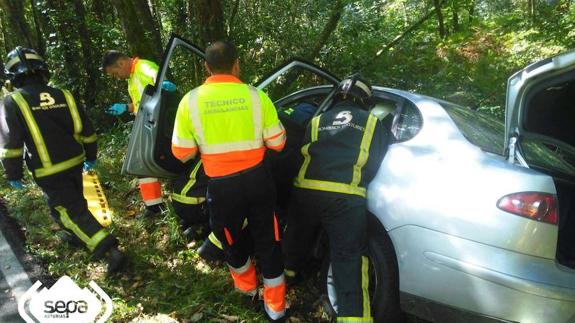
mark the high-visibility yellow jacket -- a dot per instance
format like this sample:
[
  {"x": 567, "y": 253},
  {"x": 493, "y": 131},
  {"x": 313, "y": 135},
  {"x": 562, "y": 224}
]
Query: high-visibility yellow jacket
[
  {"x": 229, "y": 122},
  {"x": 143, "y": 72}
]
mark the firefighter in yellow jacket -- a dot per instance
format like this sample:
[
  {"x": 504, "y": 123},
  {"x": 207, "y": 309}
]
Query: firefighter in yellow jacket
[
  {"x": 44, "y": 126},
  {"x": 232, "y": 124},
  {"x": 139, "y": 73}
]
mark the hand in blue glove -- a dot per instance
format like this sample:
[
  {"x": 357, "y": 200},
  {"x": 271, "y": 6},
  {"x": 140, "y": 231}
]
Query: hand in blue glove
[
  {"x": 17, "y": 184},
  {"x": 117, "y": 109},
  {"x": 169, "y": 86},
  {"x": 89, "y": 165}
]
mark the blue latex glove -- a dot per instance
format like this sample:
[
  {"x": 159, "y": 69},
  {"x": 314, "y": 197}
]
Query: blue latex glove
[
  {"x": 89, "y": 165},
  {"x": 17, "y": 184},
  {"x": 117, "y": 109},
  {"x": 169, "y": 86}
]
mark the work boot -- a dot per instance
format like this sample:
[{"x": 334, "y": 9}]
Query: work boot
[
  {"x": 117, "y": 261},
  {"x": 153, "y": 211},
  {"x": 293, "y": 278},
  {"x": 196, "y": 232},
  {"x": 280, "y": 320},
  {"x": 210, "y": 252}
]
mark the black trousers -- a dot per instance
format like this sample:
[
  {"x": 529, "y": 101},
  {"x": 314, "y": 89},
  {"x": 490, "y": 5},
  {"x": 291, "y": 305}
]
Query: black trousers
[
  {"x": 249, "y": 194},
  {"x": 344, "y": 218},
  {"x": 190, "y": 214},
  {"x": 69, "y": 209}
]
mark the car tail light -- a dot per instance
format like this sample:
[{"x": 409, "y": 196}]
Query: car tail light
[{"x": 534, "y": 205}]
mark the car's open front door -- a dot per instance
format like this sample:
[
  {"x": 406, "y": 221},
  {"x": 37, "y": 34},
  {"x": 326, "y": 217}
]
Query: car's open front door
[
  {"x": 149, "y": 150},
  {"x": 540, "y": 114}
]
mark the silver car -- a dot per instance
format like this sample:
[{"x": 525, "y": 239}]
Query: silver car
[{"x": 471, "y": 219}]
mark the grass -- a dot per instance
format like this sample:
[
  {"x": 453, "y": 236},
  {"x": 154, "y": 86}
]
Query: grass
[{"x": 167, "y": 281}]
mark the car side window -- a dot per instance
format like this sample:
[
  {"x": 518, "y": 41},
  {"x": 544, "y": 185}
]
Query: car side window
[{"x": 407, "y": 122}]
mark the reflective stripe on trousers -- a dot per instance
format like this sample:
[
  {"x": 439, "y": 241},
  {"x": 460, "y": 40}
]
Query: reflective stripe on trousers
[
  {"x": 274, "y": 297},
  {"x": 245, "y": 280},
  {"x": 90, "y": 242},
  {"x": 366, "y": 307},
  {"x": 150, "y": 190}
]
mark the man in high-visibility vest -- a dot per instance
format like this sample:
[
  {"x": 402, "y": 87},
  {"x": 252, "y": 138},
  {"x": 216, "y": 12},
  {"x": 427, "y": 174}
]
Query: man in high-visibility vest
[
  {"x": 44, "y": 125},
  {"x": 232, "y": 124},
  {"x": 139, "y": 73},
  {"x": 342, "y": 149}
]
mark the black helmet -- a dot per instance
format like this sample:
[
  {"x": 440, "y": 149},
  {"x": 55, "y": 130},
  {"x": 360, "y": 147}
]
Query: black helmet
[
  {"x": 22, "y": 62},
  {"x": 354, "y": 87}
]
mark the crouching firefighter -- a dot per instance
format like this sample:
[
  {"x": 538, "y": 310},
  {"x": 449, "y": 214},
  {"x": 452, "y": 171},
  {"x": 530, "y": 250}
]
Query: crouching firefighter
[
  {"x": 46, "y": 127},
  {"x": 188, "y": 200},
  {"x": 343, "y": 148}
]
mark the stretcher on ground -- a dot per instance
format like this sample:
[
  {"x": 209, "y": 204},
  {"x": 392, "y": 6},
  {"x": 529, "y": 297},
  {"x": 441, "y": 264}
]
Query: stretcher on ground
[{"x": 97, "y": 202}]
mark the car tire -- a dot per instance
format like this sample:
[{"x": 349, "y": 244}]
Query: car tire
[{"x": 383, "y": 279}]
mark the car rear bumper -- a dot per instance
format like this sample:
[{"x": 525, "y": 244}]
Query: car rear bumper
[{"x": 482, "y": 279}]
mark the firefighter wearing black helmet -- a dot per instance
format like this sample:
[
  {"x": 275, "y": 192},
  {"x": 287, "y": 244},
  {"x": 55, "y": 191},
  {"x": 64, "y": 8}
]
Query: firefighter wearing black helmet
[
  {"x": 46, "y": 127},
  {"x": 342, "y": 149}
]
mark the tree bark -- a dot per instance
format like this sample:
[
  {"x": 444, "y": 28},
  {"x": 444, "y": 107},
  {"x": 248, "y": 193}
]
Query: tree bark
[
  {"x": 41, "y": 47},
  {"x": 441, "y": 24},
  {"x": 328, "y": 29},
  {"x": 90, "y": 63},
  {"x": 143, "y": 39},
  {"x": 531, "y": 10},
  {"x": 59, "y": 20},
  {"x": 18, "y": 30},
  {"x": 233, "y": 14},
  {"x": 210, "y": 17},
  {"x": 156, "y": 14},
  {"x": 471, "y": 10},
  {"x": 455, "y": 16}
]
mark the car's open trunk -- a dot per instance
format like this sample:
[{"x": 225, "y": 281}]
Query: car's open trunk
[
  {"x": 548, "y": 145},
  {"x": 566, "y": 241}
]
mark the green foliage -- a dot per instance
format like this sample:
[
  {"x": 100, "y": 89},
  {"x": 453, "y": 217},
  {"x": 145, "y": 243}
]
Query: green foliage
[{"x": 485, "y": 42}]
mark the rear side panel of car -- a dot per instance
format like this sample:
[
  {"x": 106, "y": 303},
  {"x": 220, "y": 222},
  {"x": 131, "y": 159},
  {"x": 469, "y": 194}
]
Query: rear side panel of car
[{"x": 436, "y": 194}]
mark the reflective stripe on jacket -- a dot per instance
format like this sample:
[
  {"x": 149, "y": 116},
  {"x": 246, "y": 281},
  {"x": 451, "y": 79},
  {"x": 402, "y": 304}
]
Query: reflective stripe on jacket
[
  {"x": 143, "y": 73},
  {"x": 229, "y": 122},
  {"x": 191, "y": 189},
  {"x": 343, "y": 149},
  {"x": 56, "y": 133}
]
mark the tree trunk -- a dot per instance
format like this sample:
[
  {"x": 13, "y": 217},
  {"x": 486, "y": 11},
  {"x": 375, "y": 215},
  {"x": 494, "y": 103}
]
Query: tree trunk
[
  {"x": 90, "y": 63},
  {"x": 531, "y": 10},
  {"x": 18, "y": 29},
  {"x": 156, "y": 15},
  {"x": 41, "y": 47},
  {"x": 210, "y": 19},
  {"x": 328, "y": 29},
  {"x": 233, "y": 14},
  {"x": 59, "y": 19},
  {"x": 441, "y": 25},
  {"x": 455, "y": 15},
  {"x": 471, "y": 10},
  {"x": 138, "y": 25}
]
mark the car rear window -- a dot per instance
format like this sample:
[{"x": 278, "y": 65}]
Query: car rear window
[{"x": 481, "y": 129}]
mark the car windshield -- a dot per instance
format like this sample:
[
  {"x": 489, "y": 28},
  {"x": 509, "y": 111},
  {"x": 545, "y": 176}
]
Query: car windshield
[{"x": 481, "y": 129}]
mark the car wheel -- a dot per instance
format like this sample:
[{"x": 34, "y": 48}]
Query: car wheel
[{"x": 383, "y": 281}]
